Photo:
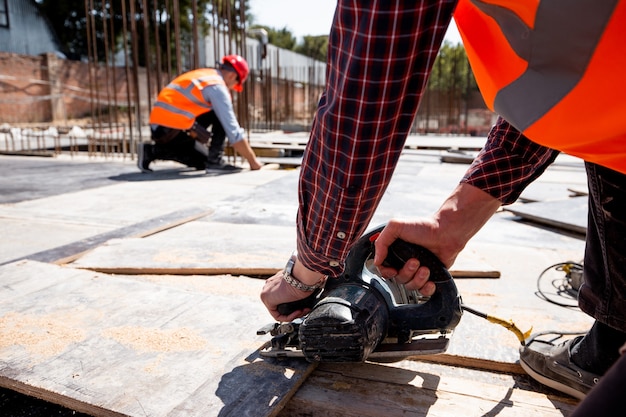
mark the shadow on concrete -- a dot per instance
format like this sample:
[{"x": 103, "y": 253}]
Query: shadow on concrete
[{"x": 165, "y": 174}]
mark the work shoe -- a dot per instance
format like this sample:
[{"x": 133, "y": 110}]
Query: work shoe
[
  {"x": 222, "y": 167},
  {"x": 552, "y": 366},
  {"x": 144, "y": 157}
]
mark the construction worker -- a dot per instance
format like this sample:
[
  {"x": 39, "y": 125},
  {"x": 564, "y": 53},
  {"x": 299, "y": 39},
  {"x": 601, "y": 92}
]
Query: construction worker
[
  {"x": 192, "y": 117},
  {"x": 364, "y": 117}
]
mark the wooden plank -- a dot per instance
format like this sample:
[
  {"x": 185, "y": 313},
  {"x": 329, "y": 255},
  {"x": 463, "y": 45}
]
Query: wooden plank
[
  {"x": 287, "y": 161},
  {"x": 368, "y": 389},
  {"x": 110, "y": 346},
  {"x": 578, "y": 191},
  {"x": 569, "y": 214},
  {"x": 470, "y": 362},
  {"x": 68, "y": 253},
  {"x": 457, "y": 158},
  {"x": 206, "y": 247}
]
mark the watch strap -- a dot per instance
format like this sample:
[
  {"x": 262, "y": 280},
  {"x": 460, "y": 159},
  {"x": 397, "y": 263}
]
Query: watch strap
[{"x": 295, "y": 282}]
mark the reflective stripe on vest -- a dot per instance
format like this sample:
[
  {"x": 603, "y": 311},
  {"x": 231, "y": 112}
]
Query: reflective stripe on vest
[
  {"x": 554, "y": 69},
  {"x": 181, "y": 101}
]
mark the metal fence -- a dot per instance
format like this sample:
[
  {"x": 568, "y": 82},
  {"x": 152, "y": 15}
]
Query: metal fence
[{"x": 137, "y": 46}]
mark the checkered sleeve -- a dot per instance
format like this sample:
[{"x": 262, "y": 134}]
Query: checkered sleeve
[
  {"x": 508, "y": 162},
  {"x": 379, "y": 57}
]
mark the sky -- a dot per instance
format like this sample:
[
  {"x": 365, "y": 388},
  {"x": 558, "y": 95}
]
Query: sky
[{"x": 306, "y": 17}]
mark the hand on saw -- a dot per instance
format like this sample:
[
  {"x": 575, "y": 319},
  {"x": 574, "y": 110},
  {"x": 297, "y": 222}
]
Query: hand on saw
[
  {"x": 276, "y": 291},
  {"x": 412, "y": 275}
]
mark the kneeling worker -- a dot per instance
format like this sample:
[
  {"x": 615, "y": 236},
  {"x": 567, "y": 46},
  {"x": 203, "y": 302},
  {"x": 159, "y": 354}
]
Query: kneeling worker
[{"x": 185, "y": 110}]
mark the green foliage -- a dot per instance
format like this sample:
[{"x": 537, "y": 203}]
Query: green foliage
[
  {"x": 281, "y": 38},
  {"x": 451, "y": 70},
  {"x": 105, "y": 19},
  {"x": 314, "y": 46}
]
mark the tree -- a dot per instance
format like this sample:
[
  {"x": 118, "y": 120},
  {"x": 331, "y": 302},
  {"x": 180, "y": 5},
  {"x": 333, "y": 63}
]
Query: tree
[
  {"x": 450, "y": 86},
  {"x": 314, "y": 46},
  {"x": 99, "y": 25},
  {"x": 281, "y": 38}
]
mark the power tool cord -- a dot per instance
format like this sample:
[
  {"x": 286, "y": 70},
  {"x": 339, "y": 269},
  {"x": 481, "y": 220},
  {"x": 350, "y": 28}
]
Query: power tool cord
[
  {"x": 563, "y": 286},
  {"x": 509, "y": 325}
]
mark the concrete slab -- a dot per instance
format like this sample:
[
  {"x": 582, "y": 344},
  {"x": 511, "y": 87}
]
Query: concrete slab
[{"x": 116, "y": 195}]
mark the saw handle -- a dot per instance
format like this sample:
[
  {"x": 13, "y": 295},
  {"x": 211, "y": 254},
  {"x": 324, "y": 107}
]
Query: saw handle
[
  {"x": 286, "y": 309},
  {"x": 400, "y": 252}
]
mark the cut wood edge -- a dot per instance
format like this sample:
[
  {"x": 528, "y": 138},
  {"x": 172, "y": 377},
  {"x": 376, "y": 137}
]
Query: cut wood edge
[
  {"x": 471, "y": 363},
  {"x": 56, "y": 398},
  {"x": 578, "y": 192},
  {"x": 548, "y": 222},
  {"x": 247, "y": 271},
  {"x": 125, "y": 270}
]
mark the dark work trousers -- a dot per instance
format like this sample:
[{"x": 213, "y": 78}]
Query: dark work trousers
[
  {"x": 606, "y": 399},
  {"x": 177, "y": 145},
  {"x": 603, "y": 292}
]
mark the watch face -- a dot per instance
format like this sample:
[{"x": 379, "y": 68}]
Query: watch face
[{"x": 290, "y": 263}]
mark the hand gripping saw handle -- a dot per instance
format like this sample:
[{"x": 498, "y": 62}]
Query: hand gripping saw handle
[
  {"x": 408, "y": 315},
  {"x": 361, "y": 315}
]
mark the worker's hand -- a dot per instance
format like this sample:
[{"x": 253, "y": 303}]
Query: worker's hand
[
  {"x": 424, "y": 232},
  {"x": 277, "y": 291},
  {"x": 255, "y": 164}
]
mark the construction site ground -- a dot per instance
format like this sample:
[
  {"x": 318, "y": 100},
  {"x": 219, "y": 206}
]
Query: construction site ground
[{"x": 132, "y": 294}]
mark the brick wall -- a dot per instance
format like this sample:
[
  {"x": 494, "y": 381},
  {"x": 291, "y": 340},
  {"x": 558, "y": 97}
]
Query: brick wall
[
  {"x": 22, "y": 86},
  {"x": 44, "y": 89}
]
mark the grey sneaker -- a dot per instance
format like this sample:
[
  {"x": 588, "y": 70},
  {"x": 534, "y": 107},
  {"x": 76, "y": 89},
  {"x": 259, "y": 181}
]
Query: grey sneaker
[
  {"x": 551, "y": 365},
  {"x": 144, "y": 157}
]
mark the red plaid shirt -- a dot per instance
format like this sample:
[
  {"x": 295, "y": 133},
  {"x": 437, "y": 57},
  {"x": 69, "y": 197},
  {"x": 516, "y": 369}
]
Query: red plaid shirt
[
  {"x": 379, "y": 57},
  {"x": 508, "y": 163}
]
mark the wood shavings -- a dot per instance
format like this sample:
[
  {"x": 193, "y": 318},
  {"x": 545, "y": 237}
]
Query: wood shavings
[
  {"x": 46, "y": 335},
  {"x": 156, "y": 340}
]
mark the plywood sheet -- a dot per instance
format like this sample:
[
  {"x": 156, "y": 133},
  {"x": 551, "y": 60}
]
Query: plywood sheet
[
  {"x": 569, "y": 214},
  {"x": 405, "y": 389},
  {"x": 113, "y": 346},
  {"x": 220, "y": 248},
  {"x": 67, "y": 253}
]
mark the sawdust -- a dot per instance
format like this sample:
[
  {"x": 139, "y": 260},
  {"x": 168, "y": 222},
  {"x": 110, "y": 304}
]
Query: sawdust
[
  {"x": 156, "y": 340},
  {"x": 45, "y": 335}
]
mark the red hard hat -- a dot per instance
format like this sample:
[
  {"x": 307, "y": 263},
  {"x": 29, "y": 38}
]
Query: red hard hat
[{"x": 241, "y": 67}]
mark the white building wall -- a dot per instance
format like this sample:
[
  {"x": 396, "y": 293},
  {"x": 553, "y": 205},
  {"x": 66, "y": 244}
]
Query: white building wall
[
  {"x": 28, "y": 33},
  {"x": 282, "y": 63}
]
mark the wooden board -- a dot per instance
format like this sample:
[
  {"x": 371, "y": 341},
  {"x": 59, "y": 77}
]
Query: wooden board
[
  {"x": 67, "y": 253},
  {"x": 205, "y": 247},
  {"x": 283, "y": 161},
  {"x": 114, "y": 346},
  {"x": 436, "y": 142},
  {"x": 569, "y": 214},
  {"x": 578, "y": 191},
  {"x": 457, "y": 158},
  {"x": 405, "y": 389}
]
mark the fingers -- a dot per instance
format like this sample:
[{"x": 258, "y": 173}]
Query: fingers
[
  {"x": 276, "y": 291},
  {"x": 282, "y": 318},
  {"x": 389, "y": 234},
  {"x": 414, "y": 277}
]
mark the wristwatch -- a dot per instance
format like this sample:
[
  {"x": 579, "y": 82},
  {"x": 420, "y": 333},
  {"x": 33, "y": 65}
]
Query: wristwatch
[{"x": 295, "y": 282}]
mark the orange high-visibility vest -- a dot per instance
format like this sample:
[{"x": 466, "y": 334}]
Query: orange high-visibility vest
[
  {"x": 556, "y": 70},
  {"x": 181, "y": 101}
]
